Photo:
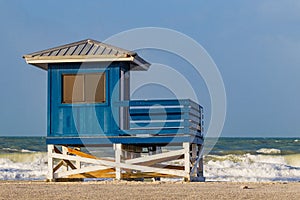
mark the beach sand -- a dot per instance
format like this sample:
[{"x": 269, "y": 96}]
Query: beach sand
[{"x": 146, "y": 190}]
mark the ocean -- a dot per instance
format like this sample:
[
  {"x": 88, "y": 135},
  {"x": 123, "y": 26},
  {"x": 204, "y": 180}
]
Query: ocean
[{"x": 231, "y": 159}]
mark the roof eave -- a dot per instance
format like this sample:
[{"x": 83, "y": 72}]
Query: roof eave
[
  {"x": 54, "y": 59},
  {"x": 138, "y": 64}
]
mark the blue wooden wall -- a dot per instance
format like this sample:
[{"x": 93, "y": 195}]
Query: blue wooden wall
[{"x": 73, "y": 120}]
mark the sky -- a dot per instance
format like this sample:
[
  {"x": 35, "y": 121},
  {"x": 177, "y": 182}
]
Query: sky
[{"x": 255, "y": 44}]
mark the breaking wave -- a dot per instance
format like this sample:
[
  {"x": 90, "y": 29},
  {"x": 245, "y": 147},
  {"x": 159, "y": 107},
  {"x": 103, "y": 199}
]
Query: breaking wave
[
  {"x": 269, "y": 151},
  {"x": 23, "y": 166},
  {"x": 253, "y": 168}
]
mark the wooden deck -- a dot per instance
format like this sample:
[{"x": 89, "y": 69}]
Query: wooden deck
[{"x": 148, "y": 122}]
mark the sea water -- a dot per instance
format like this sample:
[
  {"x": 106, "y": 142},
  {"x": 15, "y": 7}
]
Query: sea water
[{"x": 231, "y": 159}]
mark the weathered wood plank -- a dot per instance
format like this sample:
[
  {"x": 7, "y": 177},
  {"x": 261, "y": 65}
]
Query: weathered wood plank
[
  {"x": 118, "y": 154},
  {"x": 186, "y": 147},
  {"x": 58, "y": 166},
  {"x": 85, "y": 155},
  {"x": 50, "y": 174},
  {"x": 121, "y": 165},
  {"x": 161, "y": 157}
]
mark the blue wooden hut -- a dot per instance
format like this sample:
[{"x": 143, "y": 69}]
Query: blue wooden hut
[{"x": 89, "y": 105}]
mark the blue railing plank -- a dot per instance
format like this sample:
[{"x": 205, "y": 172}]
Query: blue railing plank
[
  {"x": 152, "y": 111},
  {"x": 169, "y": 102},
  {"x": 163, "y": 117},
  {"x": 156, "y": 117},
  {"x": 158, "y": 124},
  {"x": 154, "y": 131}
]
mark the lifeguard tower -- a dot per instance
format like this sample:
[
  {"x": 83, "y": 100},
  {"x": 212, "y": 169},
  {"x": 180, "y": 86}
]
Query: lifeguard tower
[{"x": 89, "y": 106}]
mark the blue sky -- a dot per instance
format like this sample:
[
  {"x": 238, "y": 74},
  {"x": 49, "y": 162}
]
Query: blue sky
[{"x": 255, "y": 44}]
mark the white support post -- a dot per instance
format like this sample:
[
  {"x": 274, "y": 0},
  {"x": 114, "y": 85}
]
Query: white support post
[
  {"x": 187, "y": 169},
  {"x": 50, "y": 175},
  {"x": 64, "y": 152},
  {"x": 118, "y": 153},
  {"x": 78, "y": 163}
]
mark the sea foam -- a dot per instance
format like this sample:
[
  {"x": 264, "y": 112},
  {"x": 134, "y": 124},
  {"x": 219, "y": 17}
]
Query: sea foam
[
  {"x": 23, "y": 166},
  {"x": 268, "y": 151},
  {"x": 232, "y": 167},
  {"x": 253, "y": 168}
]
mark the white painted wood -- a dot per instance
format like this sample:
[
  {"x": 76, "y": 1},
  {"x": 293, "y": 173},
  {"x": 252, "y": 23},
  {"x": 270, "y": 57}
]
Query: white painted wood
[
  {"x": 154, "y": 169},
  {"x": 50, "y": 176},
  {"x": 63, "y": 59},
  {"x": 77, "y": 163},
  {"x": 81, "y": 159},
  {"x": 186, "y": 147},
  {"x": 122, "y": 165},
  {"x": 132, "y": 164},
  {"x": 156, "y": 157},
  {"x": 64, "y": 150},
  {"x": 118, "y": 153}
]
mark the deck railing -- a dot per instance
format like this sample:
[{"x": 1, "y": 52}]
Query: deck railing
[{"x": 162, "y": 118}]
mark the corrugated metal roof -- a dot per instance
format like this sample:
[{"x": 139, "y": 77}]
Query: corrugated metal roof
[{"x": 85, "y": 51}]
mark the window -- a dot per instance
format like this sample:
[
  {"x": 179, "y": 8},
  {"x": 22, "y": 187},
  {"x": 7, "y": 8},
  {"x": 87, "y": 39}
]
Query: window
[{"x": 83, "y": 88}]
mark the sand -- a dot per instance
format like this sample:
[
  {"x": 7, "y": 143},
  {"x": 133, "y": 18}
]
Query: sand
[{"x": 147, "y": 190}]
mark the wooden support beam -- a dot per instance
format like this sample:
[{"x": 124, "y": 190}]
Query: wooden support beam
[
  {"x": 194, "y": 162},
  {"x": 80, "y": 153},
  {"x": 122, "y": 165},
  {"x": 156, "y": 158},
  {"x": 186, "y": 147},
  {"x": 50, "y": 175},
  {"x": 200, "y": 163},
  {"x": 64, "y": 151},
  {"x": 56, "y": 150},
  {"x": 85, "y": 155},
  {"x": 118, "y": 153},
  {"x": 77, "y": 163},
  {"x": 69, "y": 163},
  {"x": 61, "y": 163}
]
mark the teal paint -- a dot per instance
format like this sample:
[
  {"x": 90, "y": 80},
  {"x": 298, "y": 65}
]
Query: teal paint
[
  {"x": 98, "y": 123},
  {"x": 84, "y": 119}
]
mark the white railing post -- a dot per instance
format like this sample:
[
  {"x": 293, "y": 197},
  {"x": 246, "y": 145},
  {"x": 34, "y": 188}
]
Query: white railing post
[
  {"x": 118, "y": 153},
  {"x": 187, "y": 166},
  {"x": 50, "y": 175}
]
